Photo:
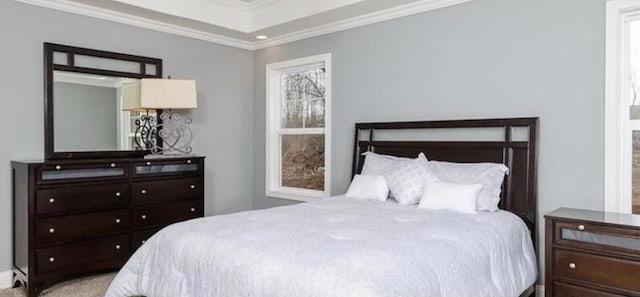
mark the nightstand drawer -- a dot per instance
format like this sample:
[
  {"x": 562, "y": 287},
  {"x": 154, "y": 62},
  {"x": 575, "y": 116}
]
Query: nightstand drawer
[
  {"x": 59, "y": 230},
  {"x": 597, "y": 237},
  {"x": 606, "y": 271},
  {"x": 564, "y": 290}
]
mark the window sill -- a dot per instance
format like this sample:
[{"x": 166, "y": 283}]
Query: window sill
[{"x": 296, "y": 194}]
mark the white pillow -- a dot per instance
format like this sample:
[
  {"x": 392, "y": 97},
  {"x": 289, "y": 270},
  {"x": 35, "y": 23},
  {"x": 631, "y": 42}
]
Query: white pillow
[
  {"x": 407, "y": 181},
  {"x": 377, "y": 164},
  {"x": 450, "y": 196},
  {"x": 489, "y": 175},
  {"x": 368, "y": 187}
]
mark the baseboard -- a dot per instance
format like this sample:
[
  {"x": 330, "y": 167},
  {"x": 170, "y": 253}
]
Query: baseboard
[
  {"x": 539, "y": 290},
  {"x": 6, "y": 279}
]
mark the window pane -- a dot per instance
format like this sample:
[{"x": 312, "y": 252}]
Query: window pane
[
  {"x": 292, "y": 115},
  {"x": 303, "y": 161},
  {"x": 315, "y": 113},
  {"x": 634, "y": 79},
  {"x": 635, "y": 172},
  {"x": 634, "y": 61},
  {"x": 303, "y": 95}
]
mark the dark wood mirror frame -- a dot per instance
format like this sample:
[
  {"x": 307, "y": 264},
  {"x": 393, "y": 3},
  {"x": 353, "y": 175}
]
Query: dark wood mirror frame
[{"x": 50, "y": 66}]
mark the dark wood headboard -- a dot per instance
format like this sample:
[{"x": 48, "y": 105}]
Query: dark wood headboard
[{"x": 520, "y": 155}]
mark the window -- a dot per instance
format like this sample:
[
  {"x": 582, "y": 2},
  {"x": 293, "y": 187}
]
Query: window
[
  {"x": 298, "y": 128},
  {"x": 622, "y": 107},
  {"x": 632, "y": 62}
]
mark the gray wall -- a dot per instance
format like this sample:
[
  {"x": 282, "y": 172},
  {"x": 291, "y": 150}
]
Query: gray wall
[
  {"x": 487, "y": 58},
  {"x": 222, "y": 124},
  {"x": 85, "y": 118},
  {"x": 484, "y": 59}
]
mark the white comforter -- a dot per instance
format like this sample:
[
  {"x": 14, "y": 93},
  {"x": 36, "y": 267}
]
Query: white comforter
[{"x": 335, "y": 247}]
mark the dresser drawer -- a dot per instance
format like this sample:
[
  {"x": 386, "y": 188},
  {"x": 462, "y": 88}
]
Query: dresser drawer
[
  {"x": 597, "y": 269},
  {"x": 73, "y": 255},
  {"x": 166, "y": 214},
  {"x": 64, "y": 173},
  {"x": 82, "y": 198},
  {"x": 597, "y": 237},
  {"x": 59, "y": 230},
  {"x": 150, "y": 192},
  {"x": 564, "y": 290},
  {"x": 167, "y": 167},
  {"x": 139, "y": 238}
]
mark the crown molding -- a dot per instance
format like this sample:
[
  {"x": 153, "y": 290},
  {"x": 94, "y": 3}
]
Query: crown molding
[
  {"x": 128, "y": 19},
  {"x": 237, "y": 4},
  {"x": 258, "y": 3},
  {"x": 359, "y": 21}
]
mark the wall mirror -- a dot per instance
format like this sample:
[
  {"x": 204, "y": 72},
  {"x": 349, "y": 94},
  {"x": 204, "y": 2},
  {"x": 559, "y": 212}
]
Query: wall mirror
[{"x": 84, "y": 117}]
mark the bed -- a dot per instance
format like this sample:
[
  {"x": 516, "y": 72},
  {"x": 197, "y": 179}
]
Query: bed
[{"x": 345, "y": 247}]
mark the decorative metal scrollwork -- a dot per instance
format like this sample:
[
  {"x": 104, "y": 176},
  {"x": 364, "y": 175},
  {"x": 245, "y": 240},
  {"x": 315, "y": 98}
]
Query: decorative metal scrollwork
[
  {"x": 146, "y": 133},
  {"x": 174, "y": 131}
]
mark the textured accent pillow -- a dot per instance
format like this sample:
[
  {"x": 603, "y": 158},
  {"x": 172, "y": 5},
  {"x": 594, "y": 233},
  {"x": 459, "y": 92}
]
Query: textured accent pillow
[
  {"x": 377, "y": 164},
  {"x": 489, "y": 175},
  {"x": 368, "y": 187},
  {"x": 450, "y": 196},
  {"x": 407, "y": 181}
]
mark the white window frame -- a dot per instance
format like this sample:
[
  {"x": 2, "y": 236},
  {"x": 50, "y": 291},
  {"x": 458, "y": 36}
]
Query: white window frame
[
  {"x": 273, "y": 183},
  {"x": 617, "y": 175}
]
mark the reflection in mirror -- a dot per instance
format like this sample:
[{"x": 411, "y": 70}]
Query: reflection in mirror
[{"x": 88, "y": 113}]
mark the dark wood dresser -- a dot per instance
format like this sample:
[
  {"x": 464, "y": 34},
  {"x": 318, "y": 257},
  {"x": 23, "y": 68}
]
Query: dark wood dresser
[
  {"x": 592, "y": 254},
  {"x": 73, "y": 218}
]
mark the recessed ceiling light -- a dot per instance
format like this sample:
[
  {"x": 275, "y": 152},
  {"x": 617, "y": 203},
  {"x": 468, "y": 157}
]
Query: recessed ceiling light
[{"x": 261, "y": 37}]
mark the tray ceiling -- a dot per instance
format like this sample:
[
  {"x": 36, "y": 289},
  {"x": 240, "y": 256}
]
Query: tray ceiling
[{"x": 239, "y": 22}]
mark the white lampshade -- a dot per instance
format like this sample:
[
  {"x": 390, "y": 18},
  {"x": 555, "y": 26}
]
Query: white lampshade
[
  {"x": 131, "y": 97},
  {"x": 159, "y": 94}
]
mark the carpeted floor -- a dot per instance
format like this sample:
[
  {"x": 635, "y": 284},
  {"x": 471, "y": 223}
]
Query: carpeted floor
[{"x": 93, "y": 286}]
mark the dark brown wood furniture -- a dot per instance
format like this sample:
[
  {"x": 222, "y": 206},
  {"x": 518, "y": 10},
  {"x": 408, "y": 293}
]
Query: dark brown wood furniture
[
  {"x": 517, "y": 149},
  {"x": 76, "y": 217},
  {"x": 79, "y": 60},
  {"x": 592, "y": 254}
]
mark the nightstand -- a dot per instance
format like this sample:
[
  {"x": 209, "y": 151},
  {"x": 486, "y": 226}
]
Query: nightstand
[{"x": 592, "y": 254}]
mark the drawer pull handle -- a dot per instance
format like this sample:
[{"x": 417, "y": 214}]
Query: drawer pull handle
[
  {"x": 581, "y": 227},
  {"x": 117, "y": 221},
  {"x": 113, "y": 165},
  {"x": 58, "y": 167},
  {"x": 143, "y": 191},
  {"x": 143, "y": 241},
  {"x": 117, "y": 246},
  {"x": 193, "y": 209},
  {"x": 188, "y": 161},
  {"x": 52, "y": 201},
  {"x": 192, "y": 186},
  {"x": 118, "y": 194},
  {"x": 144, "y": 217},
  {"x": 148, "y": 163},
  {"x": 572, "y": 265},
  {"x": 52, "y": 259},
  {"x": 51, "y": 230}
]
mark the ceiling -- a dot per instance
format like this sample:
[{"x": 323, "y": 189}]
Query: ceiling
[{"x": 239, "y": 22}]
